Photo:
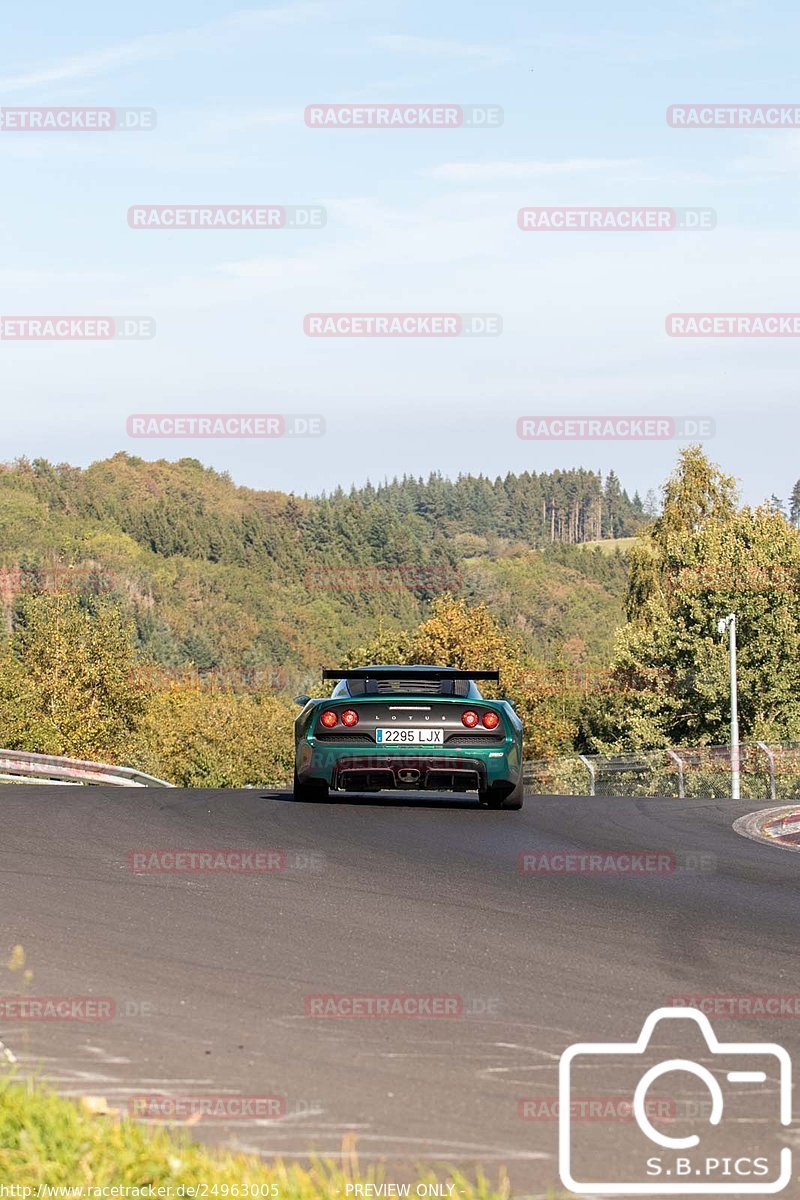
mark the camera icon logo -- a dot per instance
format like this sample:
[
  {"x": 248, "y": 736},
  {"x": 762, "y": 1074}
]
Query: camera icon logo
[{"x": 653, "y": 1162}]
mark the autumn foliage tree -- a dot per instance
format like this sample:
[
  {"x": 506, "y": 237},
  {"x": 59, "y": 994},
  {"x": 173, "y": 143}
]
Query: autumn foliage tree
[
  {"x": 703, "y": 558},
  {"x": 467, "y": 636},
  {"x": 72, "y": 664},
  {"x": 198, "y": 737},
  {"x": 73, "y": 684}
]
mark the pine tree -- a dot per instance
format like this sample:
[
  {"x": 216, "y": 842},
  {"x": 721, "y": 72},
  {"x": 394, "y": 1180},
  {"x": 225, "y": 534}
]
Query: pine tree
[
  {"x": 613, "y": 504},
  {"x": 794, "y": 504}
]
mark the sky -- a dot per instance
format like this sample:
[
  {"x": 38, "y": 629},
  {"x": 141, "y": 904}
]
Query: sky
[{"x": 418, "y": 220}]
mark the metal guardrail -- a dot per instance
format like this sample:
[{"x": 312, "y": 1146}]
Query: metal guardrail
[
  {"x": 767, "y": 772},
  {"x": 23, "y": 766}
]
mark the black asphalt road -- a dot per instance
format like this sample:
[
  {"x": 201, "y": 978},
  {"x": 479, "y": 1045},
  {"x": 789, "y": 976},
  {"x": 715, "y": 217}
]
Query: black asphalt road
[{"x": 209, "y": 972}]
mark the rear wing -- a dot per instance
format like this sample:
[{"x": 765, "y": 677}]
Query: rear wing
[{"x": 433, "y": 673}]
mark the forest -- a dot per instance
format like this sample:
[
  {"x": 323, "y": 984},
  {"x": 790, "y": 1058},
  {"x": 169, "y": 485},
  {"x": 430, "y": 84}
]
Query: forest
[{"x": 159, "y": 616}]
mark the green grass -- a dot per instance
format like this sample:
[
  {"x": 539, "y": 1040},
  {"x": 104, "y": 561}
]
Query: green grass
[{"x": 45, "y": 1139}]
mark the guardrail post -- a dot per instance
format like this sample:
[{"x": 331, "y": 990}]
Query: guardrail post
[
  {"x": 681, "y": 781},
  {"x": 590, "y": 768},
  {"x": 771, "y": 760}
]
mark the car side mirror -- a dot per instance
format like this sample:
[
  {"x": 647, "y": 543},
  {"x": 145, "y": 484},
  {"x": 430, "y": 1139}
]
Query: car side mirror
[{"x": 302, "y": 700}]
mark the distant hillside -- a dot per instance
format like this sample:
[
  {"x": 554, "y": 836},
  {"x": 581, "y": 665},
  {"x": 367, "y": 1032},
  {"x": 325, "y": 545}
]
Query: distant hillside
[
  {"x": 570, "y": 601},
  {"x": 230, "y": 577}
]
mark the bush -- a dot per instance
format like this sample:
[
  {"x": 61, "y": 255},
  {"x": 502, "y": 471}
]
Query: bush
[{"x": 215, "y": 739}]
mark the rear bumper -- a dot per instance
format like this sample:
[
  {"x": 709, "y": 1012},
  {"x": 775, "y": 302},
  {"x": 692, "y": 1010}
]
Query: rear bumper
[
  {"x": 431, "y": 774},
  {"x": 405, "y": 768}
]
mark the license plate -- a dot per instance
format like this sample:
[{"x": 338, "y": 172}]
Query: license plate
[{"x": 409, "y": 737}]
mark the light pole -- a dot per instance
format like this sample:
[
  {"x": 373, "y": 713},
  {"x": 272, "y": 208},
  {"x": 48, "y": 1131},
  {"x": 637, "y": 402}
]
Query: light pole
[{"x": 729, "y": 623}]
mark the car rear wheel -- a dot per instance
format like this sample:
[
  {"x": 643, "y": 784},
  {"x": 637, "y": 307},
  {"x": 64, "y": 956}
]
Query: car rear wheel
[
  {"x": 310, "y": 789},
  {"x": 491, "y": 798}
]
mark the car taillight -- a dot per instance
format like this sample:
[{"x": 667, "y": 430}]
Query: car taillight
[
  {"x": 349, "y": 718},
  {"x": 469, "y": 718},
  {"x": 490, "y": 720},
  {"x": 329, "y": 719}
]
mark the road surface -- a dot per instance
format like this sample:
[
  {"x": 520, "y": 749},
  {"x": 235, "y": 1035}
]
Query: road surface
[{"x": 210, "y": 973}]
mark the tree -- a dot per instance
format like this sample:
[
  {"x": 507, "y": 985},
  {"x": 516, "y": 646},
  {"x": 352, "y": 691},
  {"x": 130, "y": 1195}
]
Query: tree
[
  {"x": 466, "y": 636},
  {"x": 794, "y": 504},
  {"x": 701, "y": 559},
  {"x": 612, "y": 495},
  {"x": 195, "y": 737},
  {"x": 23, "y": 724},
  {"x": 78, "y": 661},
  {"x": 695, "y": 493}
]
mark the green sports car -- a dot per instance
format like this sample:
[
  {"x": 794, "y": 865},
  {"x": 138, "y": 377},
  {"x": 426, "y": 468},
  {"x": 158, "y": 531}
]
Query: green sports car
[{"x": 408, "y": 729}]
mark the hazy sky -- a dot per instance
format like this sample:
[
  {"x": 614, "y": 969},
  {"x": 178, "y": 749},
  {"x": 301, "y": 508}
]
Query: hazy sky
[{"x": 418, "y": 220}]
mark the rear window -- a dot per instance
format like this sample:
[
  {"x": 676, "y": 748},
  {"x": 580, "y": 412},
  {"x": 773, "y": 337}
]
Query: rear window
[{"x": 420, "y": 686}]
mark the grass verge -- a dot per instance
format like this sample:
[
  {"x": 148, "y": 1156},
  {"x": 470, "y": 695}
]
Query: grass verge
[{"x": 45, "y": 1139}]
